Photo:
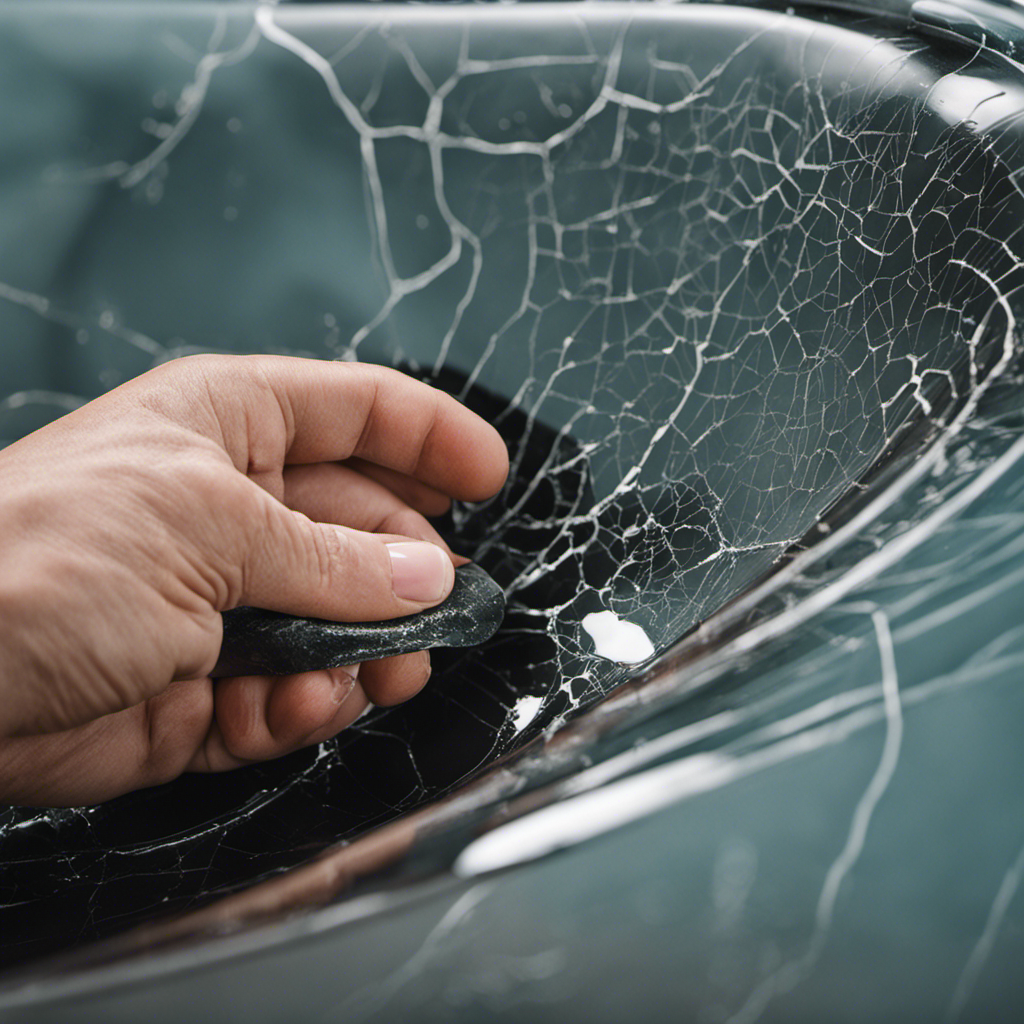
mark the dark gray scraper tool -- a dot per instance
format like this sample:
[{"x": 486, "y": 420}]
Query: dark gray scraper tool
[{"x": 258, "y": 642}]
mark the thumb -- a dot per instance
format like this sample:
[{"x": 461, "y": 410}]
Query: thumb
[{"x": 302, "y": 567}]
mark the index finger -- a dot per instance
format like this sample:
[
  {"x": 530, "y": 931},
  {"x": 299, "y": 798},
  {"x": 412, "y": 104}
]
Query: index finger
[{"x": 330, "y": 411}]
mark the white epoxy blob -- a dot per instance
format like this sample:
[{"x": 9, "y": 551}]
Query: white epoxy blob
[
  {"x": 616, "y": 639},
  {"x": 525, "y": 711}
]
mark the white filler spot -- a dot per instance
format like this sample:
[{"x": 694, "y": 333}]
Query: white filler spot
[
  {"x": 616, "y": 639},
  {"x": 526, "y": 711}
]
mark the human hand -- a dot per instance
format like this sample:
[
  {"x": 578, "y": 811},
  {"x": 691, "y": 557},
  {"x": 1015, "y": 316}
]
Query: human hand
[{"x": 127, "y": 526}]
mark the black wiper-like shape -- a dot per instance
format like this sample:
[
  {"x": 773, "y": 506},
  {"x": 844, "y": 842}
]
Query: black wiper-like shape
[{"x": 260, "y": 642}]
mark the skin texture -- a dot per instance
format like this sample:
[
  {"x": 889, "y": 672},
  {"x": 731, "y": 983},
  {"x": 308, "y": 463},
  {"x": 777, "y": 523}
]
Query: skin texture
[{"x": 127, "y": 526}]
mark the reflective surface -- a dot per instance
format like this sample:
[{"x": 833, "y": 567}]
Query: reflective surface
[{"x": 739, "y": 287}]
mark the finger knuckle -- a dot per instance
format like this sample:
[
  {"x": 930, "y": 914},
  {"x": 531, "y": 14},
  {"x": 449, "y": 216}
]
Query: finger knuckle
[
  {"x": 202, "y": 637},
  {"x": 165, "y": 721},
  {"x": 407, "y": 523},
  {"x": 331, "y": 555},
  {"x": 401, "y": 678},
  {"x": 245, "y": 736}
]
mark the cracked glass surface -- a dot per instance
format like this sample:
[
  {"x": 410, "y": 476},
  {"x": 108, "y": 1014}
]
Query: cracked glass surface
[{"x": 739, "y": 287}]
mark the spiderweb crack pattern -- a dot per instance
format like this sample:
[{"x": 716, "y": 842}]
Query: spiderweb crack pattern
[{"x": 700, "y": 278}]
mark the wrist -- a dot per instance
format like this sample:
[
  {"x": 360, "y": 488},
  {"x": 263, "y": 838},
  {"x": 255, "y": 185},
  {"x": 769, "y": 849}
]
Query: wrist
[
  {"x": 14, "y": 675},
  {"x": 22, "y": 614}
]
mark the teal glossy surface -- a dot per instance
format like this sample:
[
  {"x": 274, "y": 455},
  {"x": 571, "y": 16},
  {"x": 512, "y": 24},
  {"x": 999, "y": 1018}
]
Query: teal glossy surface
[{"x": 763, "y": 271}]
